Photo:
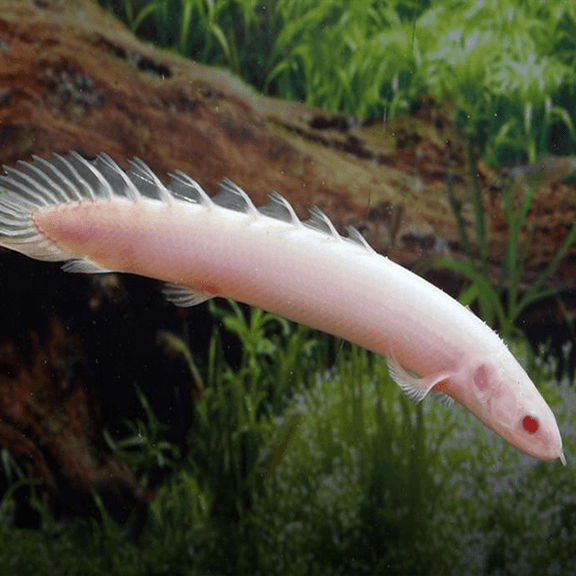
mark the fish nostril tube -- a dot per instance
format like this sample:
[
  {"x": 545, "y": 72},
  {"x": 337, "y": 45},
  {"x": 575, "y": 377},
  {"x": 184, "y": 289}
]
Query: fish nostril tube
[{"x": 481, "y": 378}]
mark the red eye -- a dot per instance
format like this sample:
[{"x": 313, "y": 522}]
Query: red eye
[{"x": 530, "y": 424}]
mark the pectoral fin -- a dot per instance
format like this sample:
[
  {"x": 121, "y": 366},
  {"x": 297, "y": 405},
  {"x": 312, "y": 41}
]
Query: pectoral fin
[
  {"x": 414, "y": 387},
  {"x": 185, "y": 296}
]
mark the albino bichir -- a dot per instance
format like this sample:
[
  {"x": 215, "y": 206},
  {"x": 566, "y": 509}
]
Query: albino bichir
[{"x": 100, "y": 218}]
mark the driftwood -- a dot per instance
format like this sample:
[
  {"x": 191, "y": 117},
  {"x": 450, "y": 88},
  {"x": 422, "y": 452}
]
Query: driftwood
[{"x": 71, "y": 77}]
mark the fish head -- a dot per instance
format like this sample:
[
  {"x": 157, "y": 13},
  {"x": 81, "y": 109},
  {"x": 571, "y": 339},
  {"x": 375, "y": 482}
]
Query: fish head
[{"x": 498, "y": 392}]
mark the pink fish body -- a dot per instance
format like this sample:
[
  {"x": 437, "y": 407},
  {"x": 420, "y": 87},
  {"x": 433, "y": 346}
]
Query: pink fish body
[{"x": 101, "y": 219}]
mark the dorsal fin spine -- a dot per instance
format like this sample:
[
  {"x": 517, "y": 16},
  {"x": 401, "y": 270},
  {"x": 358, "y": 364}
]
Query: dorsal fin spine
[
  {"x": 44, "y": 179},
  {"x": 80, "y": 182},
  {"x": 37, "y": 190},
  {"x": 75, "y": 175},
  {"x": 228, "y": 196},
  {"x": 44, "y": 183},
  {"x": 200, "y": 197},
  {"x": 93, "y": 171},
  {"x": 321, "y": 223},
  {"x": 356, "y": 236},
  {"x": 51, "y": 172},
  {"x": 141, "y": 170},
  {"x": 132, "y": 192},
  {"x": 277, "y": 198}
]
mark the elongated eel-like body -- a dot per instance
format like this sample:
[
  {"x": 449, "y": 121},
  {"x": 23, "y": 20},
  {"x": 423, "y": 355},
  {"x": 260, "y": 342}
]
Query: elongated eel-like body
[{"x": 101, "y": 219}]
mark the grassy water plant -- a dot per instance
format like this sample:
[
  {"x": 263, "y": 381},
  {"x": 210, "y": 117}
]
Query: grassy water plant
[
  {"x": 235, "y": 419},
  {"x": 144, "y": 450},
  {"x": 357, "y": 485},
  {"x": 501, "y": 303},
  {"x": 236, "y": 34},
  {"x": 368, "y": 484},
  {"x": 506, "y": 67}
]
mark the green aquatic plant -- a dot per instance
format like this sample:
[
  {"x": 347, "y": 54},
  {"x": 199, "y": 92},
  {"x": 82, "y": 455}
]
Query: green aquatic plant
[
  {"x": 234, "y": 425},
  {"x": 507, "y": 68},
  {"x": 231, "y": 33},
  {"x": 269, "y": 467},
  {"x": 144, "y": 449},
  {"x": 502, "y": 302},
  {"x": 360, "y": 481},
  {"x": 370, "y": 483}
]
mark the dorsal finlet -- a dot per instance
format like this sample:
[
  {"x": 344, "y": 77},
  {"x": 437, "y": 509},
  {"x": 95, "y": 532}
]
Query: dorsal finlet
[
  {"x": 356, "y": 236},
  {"x": 231, "y": 196},
  {"x": 81, "y": 187},
  {"x": 103, "y": 188},
  {"x": 72, "y": 178},
  {"x": 27, "y": 186},
  {"x": 115, "y": 175},
  {"x": 147, "y": 182},
  {"x": 81, "y": 170},
  {"x": 319, "y": 221},
  {"x": 186, "y": 188},
  {"x": 49, "y": 172},
  {"x": 280, "y": 209}
]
